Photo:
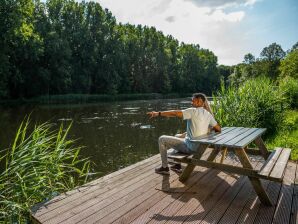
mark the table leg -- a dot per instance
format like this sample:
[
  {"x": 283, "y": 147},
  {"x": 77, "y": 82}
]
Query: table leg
[
  {"x": 264, "y": 151},
  {"x": 256, "y": 183},
  {"x": 213, "y": 154},
  {"x": 190, "y": 167},
  {"x": 224, "y": 154}
]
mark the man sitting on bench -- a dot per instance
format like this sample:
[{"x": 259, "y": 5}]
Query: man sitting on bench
[{"x": 198, "y": 122}]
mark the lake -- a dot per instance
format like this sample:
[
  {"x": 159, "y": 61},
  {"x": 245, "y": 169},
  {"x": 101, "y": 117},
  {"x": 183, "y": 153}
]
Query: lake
[{"x": 114, "y": 135}]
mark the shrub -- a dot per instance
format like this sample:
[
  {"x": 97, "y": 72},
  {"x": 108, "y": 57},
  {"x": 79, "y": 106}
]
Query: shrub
[{"x": 289, "y": 86}]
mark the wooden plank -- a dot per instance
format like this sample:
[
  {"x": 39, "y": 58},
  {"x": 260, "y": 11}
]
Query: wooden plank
[
  {"x": 133, "y": 210},
  {"x": 144, "y": 189},
  {"x": 230, "y": 136},
  {"x": 279, "y": 168},
  {"x": 244, "y": 142},
  {"x": 213, "y": 154},
  {"x": 59, "y": 207},
  {"x": 234, "y": 210},
  {"x": 203, "y": 191},
  {"x": 159, "y": 206},
  {"x": 93, "y": 185},
  {"x": 265, "y": 213},
  {"x": 177, "y": 191},
  {"x": 294, "y": 207},
  {"x": 270, "y": 162},
  {"x": 256, "y": 183},
  {"x": 190, "y": 167},
  {"x": 211, "y": 210},
  {"x": 251, "y": 208},
  {"x": 85, "y": 208},
  {"x": 261, "y": 145},
  {"x": 252, "y": 151},
  {"x": 142, "y": 199},
  {"x": 216, "y": 137},
  {"x": 197, "y": 208},
  {"x": 240, "y": 137},
  {"x": 215, "y": 215},
  {"x": 178, "y": 155},
  {"x": 283, "y": 207}
]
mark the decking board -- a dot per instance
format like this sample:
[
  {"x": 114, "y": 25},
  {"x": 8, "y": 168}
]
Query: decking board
[{"x": 134, "y": 195}]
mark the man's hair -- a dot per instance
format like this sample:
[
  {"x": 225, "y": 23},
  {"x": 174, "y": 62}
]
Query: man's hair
[{"x": 199, "y": 95}]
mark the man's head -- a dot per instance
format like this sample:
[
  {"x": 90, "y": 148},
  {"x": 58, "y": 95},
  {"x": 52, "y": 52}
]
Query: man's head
[{"x": 198, "y": 99}]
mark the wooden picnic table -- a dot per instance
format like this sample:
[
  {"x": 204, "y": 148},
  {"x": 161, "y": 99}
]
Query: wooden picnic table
[{"x": 236, "y": 140}]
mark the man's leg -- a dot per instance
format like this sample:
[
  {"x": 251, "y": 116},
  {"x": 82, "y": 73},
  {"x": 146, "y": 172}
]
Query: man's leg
[{"x": 166, "y": 142}]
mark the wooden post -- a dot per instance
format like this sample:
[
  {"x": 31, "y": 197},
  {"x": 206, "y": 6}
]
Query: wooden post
[
  {"x": 256, "y": 183},
  {"x": 224, "y": 153},
  {"x": 264, "y": 151},
  {"x": 213, "y": 154},
  {"x": 190, "y": 167}
]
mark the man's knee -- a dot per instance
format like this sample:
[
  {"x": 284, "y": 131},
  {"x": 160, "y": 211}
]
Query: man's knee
[{"x": 162, "y": 138}]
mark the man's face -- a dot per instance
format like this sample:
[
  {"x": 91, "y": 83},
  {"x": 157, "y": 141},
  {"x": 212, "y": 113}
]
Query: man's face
[{"x": 197, "y": 102}]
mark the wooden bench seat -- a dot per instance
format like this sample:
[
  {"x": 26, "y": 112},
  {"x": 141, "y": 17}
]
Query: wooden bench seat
[
  {"x": 178, "y": 156},
  {"x": 274, "y": 167}
]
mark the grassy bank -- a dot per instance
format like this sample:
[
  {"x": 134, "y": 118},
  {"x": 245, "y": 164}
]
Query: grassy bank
[
  {"x": 39, "y": 165},
  {"x": 88, "y": 98}
]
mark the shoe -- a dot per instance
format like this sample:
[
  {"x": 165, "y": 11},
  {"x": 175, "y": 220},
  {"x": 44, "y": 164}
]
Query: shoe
[
  {"x": 176, "y": 167},
  {"x": 163, "y": 170}
]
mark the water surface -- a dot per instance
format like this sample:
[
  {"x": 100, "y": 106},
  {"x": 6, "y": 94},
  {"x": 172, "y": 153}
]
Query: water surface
[{"x": 115, "y": 134}]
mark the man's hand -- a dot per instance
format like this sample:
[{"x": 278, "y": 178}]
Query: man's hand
[{"x": 153, "y": 114}]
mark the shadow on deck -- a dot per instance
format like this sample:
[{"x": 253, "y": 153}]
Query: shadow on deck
[{"x": 136, "y": 194}]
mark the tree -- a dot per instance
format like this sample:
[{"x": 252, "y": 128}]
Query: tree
[
  {"x": 271, "y": 57},
  {"x": 289, "y": 66},
  {"x": 294, "y": 47},
  {"x": 249, "y": 58},
  {"x": 273, "y": 52}
]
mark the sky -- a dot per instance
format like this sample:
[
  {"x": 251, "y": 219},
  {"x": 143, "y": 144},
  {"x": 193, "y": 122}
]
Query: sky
[{"x": 229, "y": 28}]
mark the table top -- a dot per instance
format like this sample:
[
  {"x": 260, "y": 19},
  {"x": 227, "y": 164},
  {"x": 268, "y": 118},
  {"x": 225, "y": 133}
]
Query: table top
[{"x": 232, "y": 137}]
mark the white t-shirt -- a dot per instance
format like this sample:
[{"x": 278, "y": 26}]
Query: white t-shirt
[{"x": 198, "y": 121}]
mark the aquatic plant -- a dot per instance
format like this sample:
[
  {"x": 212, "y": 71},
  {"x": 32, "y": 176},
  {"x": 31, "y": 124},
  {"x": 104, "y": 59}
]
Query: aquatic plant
[
  {"x": 256, "y": 103},
  {"x": 39, "y": 165}
]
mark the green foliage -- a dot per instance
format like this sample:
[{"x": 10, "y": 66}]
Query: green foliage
[
  {"x": 287, "y": 135},
  {"x": 273, "y": 52},
  {"x": 289, "y": 86},
  {"x": 39, "y": 165},
  {"x": 255, "y": 103},
  {"x": 70, "y": 47},
  {"x": 289, "y": 66}
]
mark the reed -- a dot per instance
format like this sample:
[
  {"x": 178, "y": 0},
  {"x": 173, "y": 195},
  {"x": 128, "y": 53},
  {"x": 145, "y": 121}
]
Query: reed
[
  {"x": 256, "y": 103},
  {"x": 39, "y": 165}
]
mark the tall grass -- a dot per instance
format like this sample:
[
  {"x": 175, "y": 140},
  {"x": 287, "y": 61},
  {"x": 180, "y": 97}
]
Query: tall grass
[
  {"x": 256, "y": 103},
  {"x": 287, "y": 136},
  {"x": 40, "y": 164}
]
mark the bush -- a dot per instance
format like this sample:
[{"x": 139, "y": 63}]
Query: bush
[
  {"x": 287, "y": 135},
  {"x": 256, "y": 103},
  {"x": 39, "y": 166},
  {"x": 289, "y": 86}
]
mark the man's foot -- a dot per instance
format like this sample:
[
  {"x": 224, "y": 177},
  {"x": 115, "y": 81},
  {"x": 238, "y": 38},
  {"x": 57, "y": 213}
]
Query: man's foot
[
  {"x": 176, "y": 167},
  {"x": 163, "y": 170}
]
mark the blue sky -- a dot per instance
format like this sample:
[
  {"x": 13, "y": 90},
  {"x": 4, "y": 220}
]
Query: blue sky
[{"x": 230, "y": 28}]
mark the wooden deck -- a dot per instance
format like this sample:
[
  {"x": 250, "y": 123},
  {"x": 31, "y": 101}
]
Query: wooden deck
[{"x": 136, "y": 194}]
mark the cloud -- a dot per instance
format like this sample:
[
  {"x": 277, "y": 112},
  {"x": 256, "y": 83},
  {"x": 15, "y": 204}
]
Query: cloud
[
  {"x": 215, "y": 4},
  {"x": 210, "y": 26},
  {"x": 170, "y": 19}
]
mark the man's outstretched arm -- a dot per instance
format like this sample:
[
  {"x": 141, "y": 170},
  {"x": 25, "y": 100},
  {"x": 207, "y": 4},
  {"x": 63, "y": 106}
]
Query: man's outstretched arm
[{"x": 168, "y": 113}]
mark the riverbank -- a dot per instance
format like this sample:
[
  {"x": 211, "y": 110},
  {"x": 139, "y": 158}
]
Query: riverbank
[{"x": 91, "y": 98}]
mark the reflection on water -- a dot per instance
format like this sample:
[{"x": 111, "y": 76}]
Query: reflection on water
[{"x": 114, "y": 134}]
